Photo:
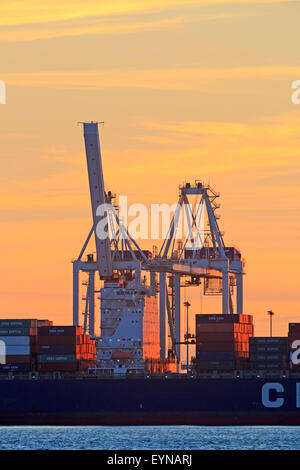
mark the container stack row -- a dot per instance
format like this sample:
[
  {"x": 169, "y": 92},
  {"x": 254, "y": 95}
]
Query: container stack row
[
  {"x": 222, "y": 341},
  {"x": 64, "y": 349},
  {"x": 268, "y": 353},
  {"x": 18, "y": 344}
]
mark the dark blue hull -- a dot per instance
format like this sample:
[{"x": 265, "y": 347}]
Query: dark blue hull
[{"x": 150, "y": 401}]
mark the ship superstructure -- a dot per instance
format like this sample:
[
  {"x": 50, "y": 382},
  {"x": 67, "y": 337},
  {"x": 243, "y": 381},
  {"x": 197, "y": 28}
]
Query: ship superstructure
[{"x": 129, "y": 328}]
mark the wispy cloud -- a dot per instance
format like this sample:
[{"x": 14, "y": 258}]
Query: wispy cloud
[
  {"x": 20, "y": 12},
  {"x": 196, "y": 79},
  {"x": 266, "y": 145},
  {"x": 27, "y": 20},
  {"x": 89, "y": 26}
]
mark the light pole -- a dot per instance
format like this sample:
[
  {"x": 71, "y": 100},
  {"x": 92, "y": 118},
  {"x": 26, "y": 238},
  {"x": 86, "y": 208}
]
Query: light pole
[
  {"x": 271, "y": 316},
  {"x": 187, "y": 304}
]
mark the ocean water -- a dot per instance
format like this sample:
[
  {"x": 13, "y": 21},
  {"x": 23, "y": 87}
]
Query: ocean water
[{"x": 150, "y": 437}]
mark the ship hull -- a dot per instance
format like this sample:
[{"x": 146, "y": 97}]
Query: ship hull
[{"x": 150, "y": 402}]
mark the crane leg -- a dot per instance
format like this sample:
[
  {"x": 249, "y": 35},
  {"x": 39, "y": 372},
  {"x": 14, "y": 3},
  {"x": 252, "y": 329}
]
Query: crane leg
[
  {"x": 75, "y": 294},
  {"x": 92, "y": 303},
  {"x": 239, "y": 293},
  {"x": 162, "y": 314},
  {"x": 177, "y": 314},
  {"x": 225, "y": 291}
]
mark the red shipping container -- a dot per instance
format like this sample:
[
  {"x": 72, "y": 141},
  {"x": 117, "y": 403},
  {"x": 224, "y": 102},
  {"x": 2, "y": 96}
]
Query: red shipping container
[
  {"x": 218, "y": 336},
  {"x": 294, "y": 328},
  {"x": 44, "y": 323},
  {"x": 214, "y": 337},
  {"x": 60, "y": 330},
  {"x": 218, "y": 328},
  {"x": 293, "y": 337},
  {"x": 215, "y": 347},
  {"x": 219, "y": 318},
  {"x": 17, "y": 359},
  {"x": 53, "y": 340}
]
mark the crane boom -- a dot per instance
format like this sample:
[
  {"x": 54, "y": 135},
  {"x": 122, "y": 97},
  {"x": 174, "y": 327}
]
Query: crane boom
[{"x": 96, "y": 182}]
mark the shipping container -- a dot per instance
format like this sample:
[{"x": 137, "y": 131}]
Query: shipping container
[
  {"x": 294, "y": 327},
  {"x": 215, "y": 356},
  {"x": 242, "y": 363},
  {"x": 59, "y": 367},
  {"x": 215, "y": 365},
  {"x": 293, "y": 367},
  {"x": 17, "y": 358},
  {"x": 44, "y": 323},
  {"x": 292, "y": 363},
  {"x": 221, "y": 327},
  {"x": 273, "y": 348},
  {"x": 216, "y": 347},
  {"x": 43, "y": 358},
  {"x": 293, "y": 350},
  {"x": 268, "y": 340},
  {"x": 243, "y": 347},
  {"x": 242, "y": 354},
  {"x": 267, "y": 357},
  {"x": 86, "y": 339},
  {"x": 59, "y": 349},
  {"x": 216, "y": 337},
  {"x": 293, "y": 337},
  {"x": 223, "y": 346},
  {"x": 17, "y": 350},
  {"x": 59, "y": 330},
  {"x": 268, "y": 365},
  {"x": 18, "y": 323},
  {"x": 15, "y": 367},
  {"x": 218, "y": 318},
  {"x": 16, "y": 340},
  {"x": 208, "y": 252},
  {"x": 18, "y": 331},
  {"x": 59, "y": 340}
]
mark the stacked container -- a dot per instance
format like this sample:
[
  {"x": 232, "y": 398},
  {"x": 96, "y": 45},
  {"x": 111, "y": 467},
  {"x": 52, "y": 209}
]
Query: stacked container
[
  {"x": 18, "y": 344},
  {"x": 64, "y": 349},
  {"x": 268, "y": 353},
  {"x": 222, "y": 341},
  {"x": 293, "y": 346}
]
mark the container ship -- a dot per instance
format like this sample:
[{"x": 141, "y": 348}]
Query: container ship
[{"x": 132, "y": 372}]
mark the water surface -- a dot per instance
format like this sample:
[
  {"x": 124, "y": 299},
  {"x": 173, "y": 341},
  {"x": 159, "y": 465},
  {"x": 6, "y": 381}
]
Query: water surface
[{"x": 150, "y": 437}]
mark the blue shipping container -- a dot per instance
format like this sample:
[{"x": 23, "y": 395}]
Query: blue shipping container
[
  {"x": 15, "y": 367},
  {"x": 215, "y": 365},
  {"x": 215, "y": 356}
]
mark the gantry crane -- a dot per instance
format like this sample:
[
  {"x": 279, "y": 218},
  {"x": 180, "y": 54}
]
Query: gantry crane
[{"x": 202, "y": 255}]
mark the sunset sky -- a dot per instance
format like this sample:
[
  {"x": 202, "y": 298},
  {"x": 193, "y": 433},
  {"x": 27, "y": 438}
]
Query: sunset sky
[{"x": 197, "y": 89}]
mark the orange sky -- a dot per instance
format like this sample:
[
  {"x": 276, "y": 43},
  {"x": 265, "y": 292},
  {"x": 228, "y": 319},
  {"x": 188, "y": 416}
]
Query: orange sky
[{"x": 188, "y": 90}]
